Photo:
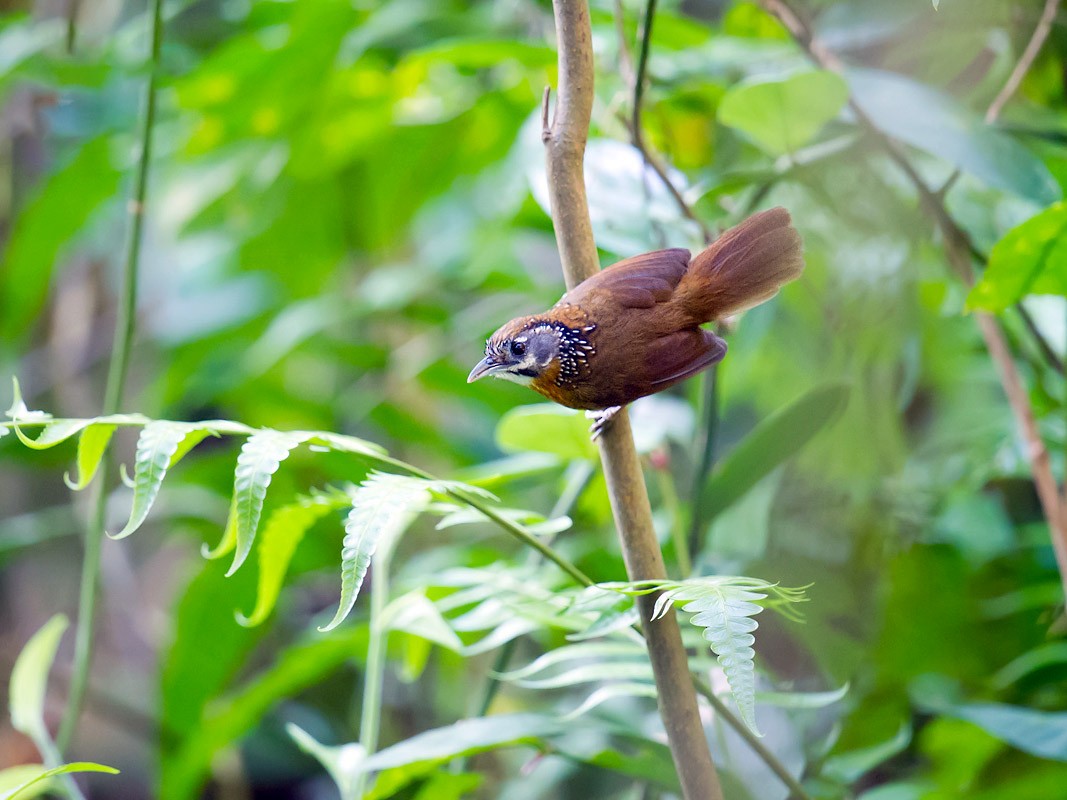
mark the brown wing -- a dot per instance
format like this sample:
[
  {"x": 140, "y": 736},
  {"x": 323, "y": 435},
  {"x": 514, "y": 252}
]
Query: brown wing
[
  {"x": 638, "y": 282},
  {"x": 674, "y": 358}
]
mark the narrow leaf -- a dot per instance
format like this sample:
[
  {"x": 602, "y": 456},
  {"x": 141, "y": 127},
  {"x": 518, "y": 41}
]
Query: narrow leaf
[
  {"x": 561, "y": 655},
  {"x": 260, "y": 458},
  {"x": 466, "y": 737},
  {"x": 91, "y": 448},
  {"x": 45, "y": 774},
  {"x": 771, "y": 442},
  {"x": 155, "y": 447},
  {"x": 29, "y": 680},
  {"x": 610, "y": 692},
  {"x": 228, "y": 540},
  {"x": 54, "y": 433},
  {"x": 284, "y": 531},
  {"x": 941, "y": 125},
  {"x": 382, "y": 507}
]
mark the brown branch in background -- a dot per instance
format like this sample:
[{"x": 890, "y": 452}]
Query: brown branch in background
[
  {"x": 960, "y": 252},
  {"x": 1026, "y": 60},
  {"x": 564, "y": 142}
]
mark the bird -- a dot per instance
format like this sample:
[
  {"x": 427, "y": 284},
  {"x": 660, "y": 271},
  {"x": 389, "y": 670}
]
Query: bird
[{"x": 634, "y": 328}]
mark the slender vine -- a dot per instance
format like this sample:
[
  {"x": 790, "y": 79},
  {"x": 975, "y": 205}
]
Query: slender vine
[{"x": 116, "y": 384}]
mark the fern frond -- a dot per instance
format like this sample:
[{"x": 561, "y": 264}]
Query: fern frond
[
  {"x": 382, "y": 507},
  {"x": 261, "y": 455},
  {"x": 156, "y": 447},
  {"x": 92, "y": 445},
  {"x": 723, "y": 607},
  {"x": 284, "y": 531}
]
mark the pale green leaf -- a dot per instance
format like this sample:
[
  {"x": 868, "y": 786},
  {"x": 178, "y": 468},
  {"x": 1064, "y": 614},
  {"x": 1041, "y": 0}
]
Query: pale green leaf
[
  {"x": 416, "y": 614},
  {"x": 936, "y": 122},
  {"x": 598, "y": 651},
  {"x": 610, "y": 692},
  {"x": 382, "y": 507},
  {"x": 260, "y": 457},
  {"x": 1039, "y": 733},
  {"x": 850, "y": 766},
  {"x": 92, "y": 445},
  {"x": 41, "y": 775},
  {"x": 282, "y": 534},
  {"x": 466, "y": 737},
  {"x": 546, "y": 428},
  {"x": 342, "y": 762},
  {"x": 1030, "y": 259},
  {"x": 156, "y": 447},
  {"x": 802, "y": 700},
  {"x": 592, "y": 673},
  {"x": 783, "y": 115},
  {"x": 29, "y": 680}
]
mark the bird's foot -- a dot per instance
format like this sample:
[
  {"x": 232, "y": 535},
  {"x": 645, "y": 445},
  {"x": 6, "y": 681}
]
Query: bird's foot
[{"x": 601, "y": 420}]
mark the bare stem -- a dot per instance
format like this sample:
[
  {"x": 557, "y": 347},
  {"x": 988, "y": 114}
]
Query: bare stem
[
  {"x": 1026, "y": 60},
  {"x": 565, "y": 151},
  {"x": 116, "y": 382}
]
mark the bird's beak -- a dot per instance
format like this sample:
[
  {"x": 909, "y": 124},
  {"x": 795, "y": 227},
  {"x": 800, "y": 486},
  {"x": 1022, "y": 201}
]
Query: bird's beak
[{"x": 483, "y": 368}]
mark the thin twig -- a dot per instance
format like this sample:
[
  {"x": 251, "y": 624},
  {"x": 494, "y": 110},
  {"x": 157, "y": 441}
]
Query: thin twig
[
  {"x": 1026, "y": 60},
  {"x": 564, "y": 152},
  {"x": 637, "y": 134},
  {"x": 960, "y": 251},
  {"x": 73, "y": 6},
  {"x": 1047, "y": 352},
  {"x": 116, "y": 383}
]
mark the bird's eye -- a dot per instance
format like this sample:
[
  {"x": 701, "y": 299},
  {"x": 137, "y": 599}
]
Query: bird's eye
[{"x": 518, "y": 348}]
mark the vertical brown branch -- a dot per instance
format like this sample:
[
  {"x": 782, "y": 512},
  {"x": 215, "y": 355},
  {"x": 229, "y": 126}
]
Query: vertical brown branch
[{"x": 564, "y": 140}]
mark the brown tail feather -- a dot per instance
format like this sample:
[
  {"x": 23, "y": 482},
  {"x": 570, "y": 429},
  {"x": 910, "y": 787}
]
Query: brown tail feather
[{"x": 743, "y": 267}]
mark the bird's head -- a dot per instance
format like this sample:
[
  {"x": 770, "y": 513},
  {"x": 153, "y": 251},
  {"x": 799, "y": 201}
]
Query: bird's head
[{"x": 521, "y": 351}]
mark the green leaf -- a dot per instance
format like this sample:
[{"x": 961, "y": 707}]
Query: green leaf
[
  {"x": 44, "y": 774},
  {"x": 156, "y": 446},
  {"x": 940, "y": 125},
  {"x": 260, "y": 457},
  {"x": 1030, "y": 259},
  {"x": 723, "y": 607},
  {"x": 342, "y": 762},
  {"x": 43, "y": 228},
  {"x": 851, "y": 766},
  {"x": 546, "y": 428},
  {"x": 382, "y": 507},
  {"x": 92, "y": 445},
  {"x": 610, "y": 692},
  {"x": 229, "y": 537},
  {"x": 55, "y": 432},
  {"x": 771, "y": 442},
  {"x": 595, "y": 651},
  {"x": 29, "y": 681},
  {"x": 284, "y": 531},
  {"x": 228, "y": 718},
  {"x": 802, "y": 700},
  {"x": 783, "y": 115},
  {"x": 463, "y": 738},
  {"x": 1039, "y": 733}
]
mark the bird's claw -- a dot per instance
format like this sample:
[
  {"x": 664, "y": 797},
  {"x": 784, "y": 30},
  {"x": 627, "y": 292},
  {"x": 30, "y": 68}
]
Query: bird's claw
[{"x": 601, "y": 420}]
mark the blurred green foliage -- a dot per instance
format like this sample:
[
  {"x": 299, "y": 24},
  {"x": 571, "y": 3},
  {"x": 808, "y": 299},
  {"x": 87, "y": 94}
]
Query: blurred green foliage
[{"x": 348, "y": 196}]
